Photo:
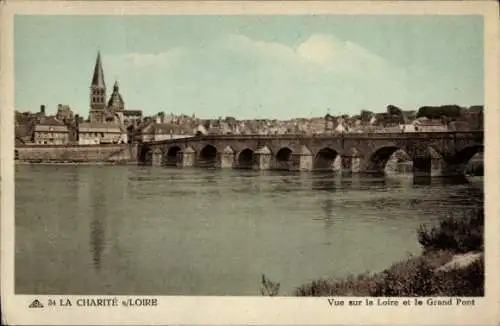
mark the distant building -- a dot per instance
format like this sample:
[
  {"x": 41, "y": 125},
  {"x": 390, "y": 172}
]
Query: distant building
[
  {"x": 94, "y": 133},
  {"x": 429, "y": 125},
  {"x": 131, "y": 117},
  {"x": 50, "y": 131},
  {"x": 64, "y": 113},
  {"x": 156, "y": 131}
]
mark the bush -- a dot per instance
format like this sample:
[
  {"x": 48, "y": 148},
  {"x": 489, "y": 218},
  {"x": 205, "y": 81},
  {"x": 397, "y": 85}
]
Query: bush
[
  {"x": 361, "y": 285},
  {"x": 413, "y": 277},
  {"x": 467, "y": 281},
  {"x": 457, "y": 233}
]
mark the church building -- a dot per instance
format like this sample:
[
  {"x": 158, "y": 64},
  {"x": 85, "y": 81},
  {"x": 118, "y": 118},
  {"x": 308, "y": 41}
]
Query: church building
[
  {"x": 100, "y": 111},
  {"x": 108, "y": 118}
]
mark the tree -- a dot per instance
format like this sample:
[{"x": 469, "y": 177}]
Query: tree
[
  {"x": 394, "y": 110},
  {"x": 366, "y": 116},
  {"x": 436, "y": 112}
]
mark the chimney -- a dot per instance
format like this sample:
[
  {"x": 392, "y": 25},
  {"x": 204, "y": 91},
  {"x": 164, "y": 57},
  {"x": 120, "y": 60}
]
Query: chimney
[{"x": 42, "y": 109}]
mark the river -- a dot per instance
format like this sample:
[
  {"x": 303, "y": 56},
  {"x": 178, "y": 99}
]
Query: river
[{"x": 167, "y": 231}]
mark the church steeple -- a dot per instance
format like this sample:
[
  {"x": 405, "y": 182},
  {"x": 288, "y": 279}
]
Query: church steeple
[
  {"x": 98, "y": 78},
  {"x": 97, "y": 91}
]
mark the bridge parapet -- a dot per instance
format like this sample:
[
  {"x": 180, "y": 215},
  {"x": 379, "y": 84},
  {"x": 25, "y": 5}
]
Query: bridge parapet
[{"x": 392, "y": 136}]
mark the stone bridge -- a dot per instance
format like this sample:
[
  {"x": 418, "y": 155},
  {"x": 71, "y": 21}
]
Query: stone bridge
[{"x": 432, "y": 153}]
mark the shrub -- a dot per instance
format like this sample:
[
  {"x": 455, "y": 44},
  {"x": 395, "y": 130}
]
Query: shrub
[
  {"x": 468, "y": 281},
  {"x": 457, "y": 233},
  {"x": 413, "y": 277},
  {"x": 361, "y": 285}
]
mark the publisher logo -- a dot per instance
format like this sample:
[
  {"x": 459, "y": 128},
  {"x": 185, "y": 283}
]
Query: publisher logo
[{"x": 36, "y": 304}]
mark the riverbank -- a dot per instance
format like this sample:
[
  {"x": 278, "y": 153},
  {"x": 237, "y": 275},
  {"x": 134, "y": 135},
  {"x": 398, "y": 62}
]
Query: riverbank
[
  {"x": 452, "y": 264},
  {"x": 65, "y": 163},
  {"x": 102, "y": 154}
]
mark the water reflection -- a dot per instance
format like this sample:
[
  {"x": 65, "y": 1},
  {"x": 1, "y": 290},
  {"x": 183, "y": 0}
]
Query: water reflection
[
  {"x": 97, "y": 228},
  {"x": 328, "y": 208},
  {"x": 97, "y": 241},
  {"x": 325, "y": 182}
]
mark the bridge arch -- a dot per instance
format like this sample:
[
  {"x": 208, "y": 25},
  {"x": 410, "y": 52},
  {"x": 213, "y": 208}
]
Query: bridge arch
[
  {"x": 283, "y": 158},
  {"x": 245, "y": 159},
  {"x": 464, "y": 156},
  {"x": 207, "y": 156},
  {"x": 377, "y": 160},
  {"x": 325, "y": 159},
  {"x": 460, "y": 163},
  {"x": 172, "y": 156}
]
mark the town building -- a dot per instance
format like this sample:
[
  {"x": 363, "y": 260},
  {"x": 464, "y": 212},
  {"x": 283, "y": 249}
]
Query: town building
[
  {"x": 161, "y": 131},
  {"x": 64, "y": 113},
  {"x": 429, "y": 125},
  {"x": 95, "y": 133},
  {"x": 50, "y": 131}
]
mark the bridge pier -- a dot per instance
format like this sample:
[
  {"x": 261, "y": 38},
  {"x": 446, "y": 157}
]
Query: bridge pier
[
  {"x": 263, "y": 159},
  {"x": 351, "y": 164},
  {"x": 226, "y": 158},
  {"x": 156, "y": 158},
  {"x": 302, "y": 162},
  {"x": 187, "y": 157}
]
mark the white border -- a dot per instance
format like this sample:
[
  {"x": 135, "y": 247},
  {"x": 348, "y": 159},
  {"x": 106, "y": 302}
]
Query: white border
[{"x": 250, "y": 310}]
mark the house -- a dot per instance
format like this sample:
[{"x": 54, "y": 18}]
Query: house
[
  {"x": 200, "y": 130},
  {"x": 459, "y": 125},
  {"x": 429, "y": 125},
  {"x": 64, "y": 113},
  {"x": 101, "y": 133},
  {"x": 132, "y": 116},
  {"x": 156, "y": 131},
  {"x": 50, "y": 131}
]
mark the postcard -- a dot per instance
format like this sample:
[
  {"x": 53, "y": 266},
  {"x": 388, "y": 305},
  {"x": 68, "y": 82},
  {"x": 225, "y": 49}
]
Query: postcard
[{"x": 247, "y": 163}]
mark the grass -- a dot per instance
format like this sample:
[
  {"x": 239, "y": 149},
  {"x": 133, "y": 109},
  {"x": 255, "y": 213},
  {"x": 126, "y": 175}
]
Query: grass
[{"x": 420, "y": 275}]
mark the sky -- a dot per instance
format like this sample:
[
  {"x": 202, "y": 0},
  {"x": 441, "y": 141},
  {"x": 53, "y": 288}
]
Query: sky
[{"x": 252, "y": 66}]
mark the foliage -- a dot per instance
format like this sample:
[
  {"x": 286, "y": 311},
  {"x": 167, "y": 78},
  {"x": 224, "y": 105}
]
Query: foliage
[
  {"x": 366, "y": 115},
  {"x": 394, "y": 110},
  {"x": 269, "y": 288},
  {"x": 467, "y": 281},
  {"x": 461, "y": 232},
  {"x": 436, "y": 112},
  {"x": 413, "y": 277}
]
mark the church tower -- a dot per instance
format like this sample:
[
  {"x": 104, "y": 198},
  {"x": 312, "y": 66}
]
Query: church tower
[
  {"x": 116, "y": 103},
  {"x": 97, "y": 93}
]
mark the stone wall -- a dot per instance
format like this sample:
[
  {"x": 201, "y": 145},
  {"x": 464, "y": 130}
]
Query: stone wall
[{"x": 113, "y": 153}]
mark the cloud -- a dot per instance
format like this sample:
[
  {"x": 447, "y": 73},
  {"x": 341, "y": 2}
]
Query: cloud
[
  {"x": 236, "y": 75},
  {"x": 141, "y": 60},
  {"x": 318, "y": 49}
]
